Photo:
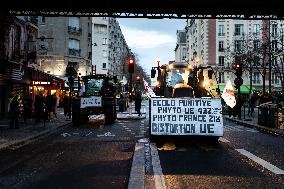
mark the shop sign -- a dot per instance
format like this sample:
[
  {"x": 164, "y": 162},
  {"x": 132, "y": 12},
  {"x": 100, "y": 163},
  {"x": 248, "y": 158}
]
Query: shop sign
[{"x": 41, "y": 83}]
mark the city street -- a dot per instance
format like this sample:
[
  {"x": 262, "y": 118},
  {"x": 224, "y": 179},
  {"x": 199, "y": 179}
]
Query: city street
[{"x": 101, "y": 157}]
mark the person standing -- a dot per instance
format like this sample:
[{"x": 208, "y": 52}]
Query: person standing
[
  {"x": 14, "y": 112},
  {"x": 38, "y": 107},
  {"x": 53, "y": 104},
  {"x": 27, "y": 106},
  {"x": 138, "y": 100}
]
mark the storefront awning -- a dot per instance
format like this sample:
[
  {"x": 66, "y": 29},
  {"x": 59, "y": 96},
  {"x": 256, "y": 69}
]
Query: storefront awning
[{"x": 244, "y": 88}]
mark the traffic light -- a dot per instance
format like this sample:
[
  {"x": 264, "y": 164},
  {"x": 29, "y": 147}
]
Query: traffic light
[
  {"x": 137, "y": 78},
  {"x": 238, "y": 82},
  {"x": 131, "y": 64},
  {"x": 153, "y": 73},
  {"x": 238, "y": 68},
  {"x": 238, "y": 72}
]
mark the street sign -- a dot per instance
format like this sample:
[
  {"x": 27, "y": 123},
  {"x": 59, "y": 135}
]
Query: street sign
[{"x": 93, "y": 101}]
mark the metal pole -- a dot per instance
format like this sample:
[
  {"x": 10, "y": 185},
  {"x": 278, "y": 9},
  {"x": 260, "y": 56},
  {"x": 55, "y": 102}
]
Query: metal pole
[{"x": 269, "y": 49}]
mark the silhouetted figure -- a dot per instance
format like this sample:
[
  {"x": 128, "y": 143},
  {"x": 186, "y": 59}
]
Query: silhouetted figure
[
  {"x": 67, "y": 106},
  {"x": 14, "y": 112},
  {"x": 138, "y": 100},
  {"x": 27, "y": 107},
  {"x": 53, "y": 104},
  {"x": 38, "y": 106}
]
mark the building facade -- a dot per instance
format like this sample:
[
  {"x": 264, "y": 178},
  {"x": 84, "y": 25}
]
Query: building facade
[
  {"x": 65, "y": 42},
  {"x": 181, "y": 51},
  {"x": 221, "y": 42},
  {"x": 110, "y": 51},
  {"x": 18, "y": 42}
]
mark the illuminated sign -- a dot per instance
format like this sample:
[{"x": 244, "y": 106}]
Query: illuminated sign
[{"x": 41, "y": 83}]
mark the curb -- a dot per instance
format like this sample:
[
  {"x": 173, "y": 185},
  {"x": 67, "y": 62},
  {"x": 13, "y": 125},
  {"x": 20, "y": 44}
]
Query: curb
[
  {"x": 30, "y": 139},
  {"x": 137, "y": 173},
  {"x": 262, "y": 129}
]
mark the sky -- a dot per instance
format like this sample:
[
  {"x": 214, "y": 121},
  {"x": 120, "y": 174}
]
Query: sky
[{"x": 151, "y": 39}]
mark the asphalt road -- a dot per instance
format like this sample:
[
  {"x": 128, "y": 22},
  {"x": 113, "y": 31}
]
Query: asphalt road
[
  {"x": 86, "y": 157},
  {"x": 192, "y": 164},
  {"x": 101, "y": 157}
]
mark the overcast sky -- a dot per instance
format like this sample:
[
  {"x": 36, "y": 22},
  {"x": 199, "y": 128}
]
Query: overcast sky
[{"x": 151, "y": 38}]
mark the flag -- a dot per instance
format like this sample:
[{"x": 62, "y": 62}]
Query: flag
[{"x": 228, "y": 95}]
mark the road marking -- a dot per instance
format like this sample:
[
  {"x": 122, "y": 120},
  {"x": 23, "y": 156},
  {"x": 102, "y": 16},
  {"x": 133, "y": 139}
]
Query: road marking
[
  {"x": 108, "y": 134},
  {"x": 65, "y": 134},
  {"x": 262, "y": 162},
  {"x": 158, "y": 174},
  {"x": 222, "y": 139},
  {"x": 89, "y": 133}
]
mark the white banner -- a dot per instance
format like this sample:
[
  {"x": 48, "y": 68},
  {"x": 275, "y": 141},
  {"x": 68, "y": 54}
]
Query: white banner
[
  {"x": 186, "y": 116},
  {"x": 92, "y": 101},
  {"x": 228, "y": 95}
]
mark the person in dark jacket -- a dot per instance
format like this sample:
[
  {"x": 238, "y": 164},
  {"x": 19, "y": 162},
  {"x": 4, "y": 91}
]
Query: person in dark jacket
[
  {"x": 27, "y": 107},
  {"x": 138, "y": 100},
  {"x": 39, "y": 102},
  {"x": 14, "y": 112}
]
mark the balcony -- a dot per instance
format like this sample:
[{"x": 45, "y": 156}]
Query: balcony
[
  {"x": 74, "y": 30},
  {"x": 75, "y": 52},
  {"x": 239, "y": 34},
  {"x": 221, "y": 50},
  {"x": 221, "y": 34}
]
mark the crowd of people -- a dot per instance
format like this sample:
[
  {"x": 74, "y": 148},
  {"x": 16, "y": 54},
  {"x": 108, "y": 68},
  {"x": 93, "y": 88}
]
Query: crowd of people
[
  {"x": 42, "y": 108},
  {"x": 255, "y": 99}
]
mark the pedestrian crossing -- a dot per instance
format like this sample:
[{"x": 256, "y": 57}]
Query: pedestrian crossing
[{"x": 239, "y": 128}]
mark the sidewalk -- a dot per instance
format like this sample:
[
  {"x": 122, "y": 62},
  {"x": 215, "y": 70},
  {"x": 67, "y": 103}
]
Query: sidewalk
[
  {"x": 11, "y": 138},
  {"x": 252, "y": 122},
  {"x": 131, "y": 114}
]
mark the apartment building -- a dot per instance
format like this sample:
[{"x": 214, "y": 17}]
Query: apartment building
[
  {"x": 109, "y": 48},
  {"x": 65, "y": 42},
  {"x": 181, "y": 51},
  {"x": 218, "y": 41}
]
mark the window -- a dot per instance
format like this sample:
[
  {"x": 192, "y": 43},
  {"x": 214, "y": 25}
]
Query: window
[
  {"x": 256, "y": 78},
  {"x": 100, "y": 28},
  {"x": 183, "y": 53},
  {"x": 41, "y": 19},
  {"x": 221, "y": 46},
  {"x": 104, "y": 66},
  {"x": 104, "y": 53},
  {"x": 74, "y": 44},
  {"x": 274, "y": 46},
  {"x": 274, "y": 61},
  {"x": 256, "y": 29},
  {"x": 238, "y": 45},
  {"x": 256, "y": 44},
  {"x": 104, "y": 41},
  {"x": 239, "y": 29},
  {"x": 274, "y": 29},
  {"x": 74, "y": 22},
  {"x": 221, "y": 78},
  {"x": 221, "y": 31},
  {"x": 275, "y": 79},
  {"x": 221, "y": 61}
]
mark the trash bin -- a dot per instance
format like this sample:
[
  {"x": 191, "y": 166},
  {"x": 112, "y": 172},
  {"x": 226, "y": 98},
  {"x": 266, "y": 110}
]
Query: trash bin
[
  {"x": 78, "y": 117},
  {"x": 267, "y": 113}
]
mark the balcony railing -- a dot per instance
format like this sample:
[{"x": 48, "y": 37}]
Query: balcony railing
[
  {"x": 221, "y": 34},
  {"x": 75, "y": 52},
  {"x": 74, "y": 30},
  {"x": 221, "y": 50},
  {"x": 239, "y": 33}
]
